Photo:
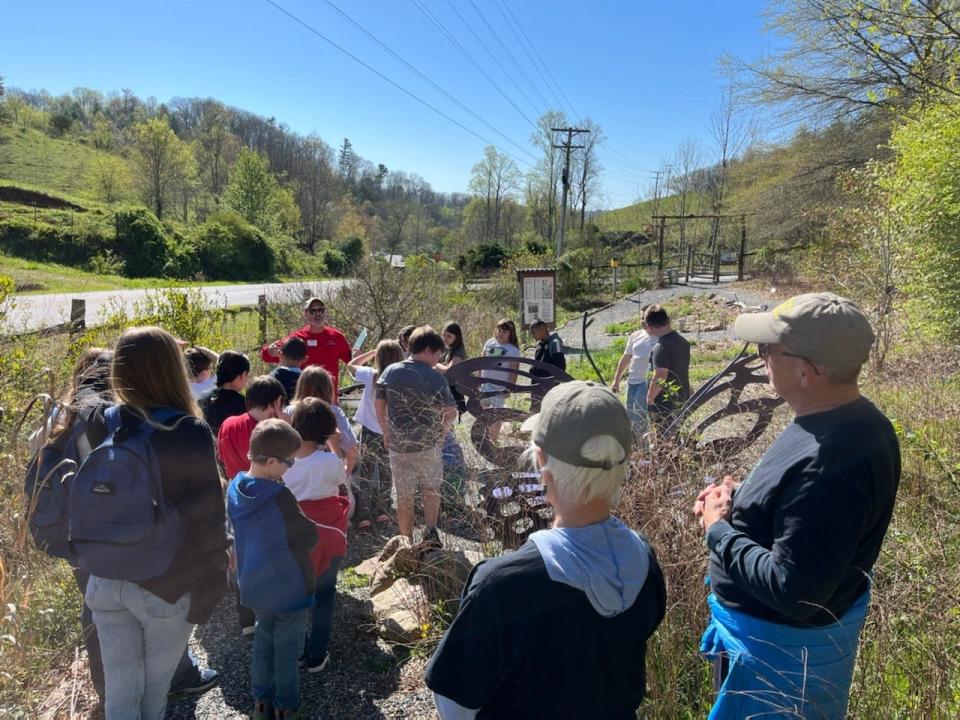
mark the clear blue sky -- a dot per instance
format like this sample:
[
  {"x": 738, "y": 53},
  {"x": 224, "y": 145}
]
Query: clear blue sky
[{"x": 646, "y": 70}]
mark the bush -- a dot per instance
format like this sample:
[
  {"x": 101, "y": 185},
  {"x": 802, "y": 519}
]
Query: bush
[
  {"x": 38, "y": 240},
  {"x": 335, "y": 262},
  {"x": 106, "y": 263},
  {"x": 771, "y": 264},
  {"x": 485, "y": 256},
  {"x": 230, "y": 248},
  {"x": 142, "y": 242},
  {"x": 352, "y": 250}
]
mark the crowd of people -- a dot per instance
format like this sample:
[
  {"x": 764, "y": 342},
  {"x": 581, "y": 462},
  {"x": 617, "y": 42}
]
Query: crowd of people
[{"x": 190, "y": 474}]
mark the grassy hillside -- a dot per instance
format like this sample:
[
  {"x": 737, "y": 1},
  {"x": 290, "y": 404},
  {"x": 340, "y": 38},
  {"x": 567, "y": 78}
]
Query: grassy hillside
[
  {"x": 30, "y": 157},
  {"x": 637, "y": 216}
]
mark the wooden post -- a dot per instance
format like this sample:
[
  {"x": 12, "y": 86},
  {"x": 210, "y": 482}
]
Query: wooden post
[
  {"x": 743, "y": 247},
  {"x": 262, "y": 308},
  {"x": 307, "y": 294},
  {"x": 78, "y": 316},
  {"x": 689, "y": 262},
  {"x": 716, "y": 264}
]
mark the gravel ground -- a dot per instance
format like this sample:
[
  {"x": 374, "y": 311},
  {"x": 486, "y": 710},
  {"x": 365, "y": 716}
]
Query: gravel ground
[
  {"x": 628, "y": 307},
  {"x": 366, "y": 677}
]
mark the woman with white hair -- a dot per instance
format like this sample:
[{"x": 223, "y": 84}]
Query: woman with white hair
[{"x": 558, "y": 628}]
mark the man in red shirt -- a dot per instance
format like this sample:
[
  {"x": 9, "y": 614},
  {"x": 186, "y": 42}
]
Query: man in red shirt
[
  {"x": 265, "y": 399},
  {"x": 326, "y": 346}
]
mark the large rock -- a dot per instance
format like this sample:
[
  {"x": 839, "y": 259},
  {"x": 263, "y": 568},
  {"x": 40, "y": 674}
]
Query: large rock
[
  {"x": 443, "y": 573},
  {"x": 402, "y": 627}
]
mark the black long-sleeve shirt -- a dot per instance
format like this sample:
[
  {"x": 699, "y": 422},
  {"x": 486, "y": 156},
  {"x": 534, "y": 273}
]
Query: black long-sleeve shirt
[{"x": 808, "y": 522}]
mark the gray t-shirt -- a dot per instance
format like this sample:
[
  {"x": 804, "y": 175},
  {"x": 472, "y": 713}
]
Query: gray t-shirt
[{"x": 416, "y": 395}]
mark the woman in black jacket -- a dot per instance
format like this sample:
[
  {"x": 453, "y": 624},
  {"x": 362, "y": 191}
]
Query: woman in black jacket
[{"x": 144, "y": 626}]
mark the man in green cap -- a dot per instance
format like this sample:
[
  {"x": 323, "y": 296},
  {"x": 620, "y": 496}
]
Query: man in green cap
[{"x": 792, "y": 546}]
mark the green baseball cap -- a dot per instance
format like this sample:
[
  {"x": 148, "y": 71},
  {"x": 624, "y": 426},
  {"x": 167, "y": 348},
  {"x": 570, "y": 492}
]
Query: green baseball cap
[
  {"x": 574, "y": 412},
  {"x": 823, "y": 327}
]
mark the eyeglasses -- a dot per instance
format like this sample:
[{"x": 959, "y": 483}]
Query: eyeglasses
[
  {"x": 763, "y": 350},
  {"x": 316, "y": 311}
]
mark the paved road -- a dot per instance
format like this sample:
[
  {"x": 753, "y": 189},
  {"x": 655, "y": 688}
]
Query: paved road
[{"x": 33, "y": 312}]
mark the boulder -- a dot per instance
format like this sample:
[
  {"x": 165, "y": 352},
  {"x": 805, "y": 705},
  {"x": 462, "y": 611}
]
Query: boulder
[{"x": 402, "y": 627}]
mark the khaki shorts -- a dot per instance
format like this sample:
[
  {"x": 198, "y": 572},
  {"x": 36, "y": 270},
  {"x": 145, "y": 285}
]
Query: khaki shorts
[{"x": 424, "y": 467}]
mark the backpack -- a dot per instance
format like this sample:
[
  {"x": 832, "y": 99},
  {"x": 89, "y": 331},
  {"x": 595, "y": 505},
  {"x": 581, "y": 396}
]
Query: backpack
[
  {"x": 121, "y": 523},
  {"x": 46, "y": 488}
]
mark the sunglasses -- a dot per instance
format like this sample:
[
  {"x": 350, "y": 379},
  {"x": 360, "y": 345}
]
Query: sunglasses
[
  {"x": 316, "y": 311},
  {"x": 763, "y": 350},
  {"x": 286, "y": 461}
]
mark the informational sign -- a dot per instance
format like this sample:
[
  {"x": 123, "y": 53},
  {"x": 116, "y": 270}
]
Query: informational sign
[{"x": 538, "y": 296}]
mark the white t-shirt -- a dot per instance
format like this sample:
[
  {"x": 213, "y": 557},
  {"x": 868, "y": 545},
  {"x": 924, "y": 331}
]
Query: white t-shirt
[
  {"x": 367, "y": 412},
  {"x": 639, "y": 345},
  {"x": 491, "y": 348},
  {"x": 315, "y": 476},
  {"x": 199, "y": 388}
]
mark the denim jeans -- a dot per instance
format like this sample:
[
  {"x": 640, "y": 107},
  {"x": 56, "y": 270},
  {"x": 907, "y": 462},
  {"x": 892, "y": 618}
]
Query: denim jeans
[
  {"x": 321, "y": 616},
  {"x": 275, "y": 670},
  {"x": 637, "y": 407},
  {"x": 142, "y": 639},
  {"x": 187, "y": 671}
]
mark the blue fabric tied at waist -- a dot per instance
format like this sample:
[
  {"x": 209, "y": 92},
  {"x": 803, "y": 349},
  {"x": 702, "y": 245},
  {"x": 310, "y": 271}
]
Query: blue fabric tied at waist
[{"x": 780, "y": 671}]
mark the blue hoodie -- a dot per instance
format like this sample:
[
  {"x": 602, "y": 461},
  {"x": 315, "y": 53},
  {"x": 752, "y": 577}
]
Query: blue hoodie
[
  {"x": 607, "y": 561},
  {"x": 273, "y": 541}
]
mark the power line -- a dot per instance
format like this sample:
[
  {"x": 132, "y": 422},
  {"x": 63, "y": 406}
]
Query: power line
[
  {"x": 423, "y": 77},
  {"x": 523, "y": 73},
  {"x": 492, "y": 55},
  {"x": 395, "y": 84},
  {"x": 463, "y": 51},
  {"x": 539, "y": 57}
]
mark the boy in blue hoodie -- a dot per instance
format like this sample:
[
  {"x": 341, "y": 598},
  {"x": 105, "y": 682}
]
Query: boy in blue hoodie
[
  {"x": 558, "y": 628},
  {"x": 274, "y": 571}
]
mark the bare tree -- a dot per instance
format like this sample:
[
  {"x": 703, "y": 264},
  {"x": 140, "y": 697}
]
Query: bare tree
[
  {"x": 494, "y": 179},
  {"x": 587, "y": 168}
]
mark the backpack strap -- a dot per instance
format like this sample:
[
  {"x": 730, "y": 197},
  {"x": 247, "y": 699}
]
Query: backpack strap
[
  {"x": 160, "y": 417},
  {"x": 112, "y": 416}
]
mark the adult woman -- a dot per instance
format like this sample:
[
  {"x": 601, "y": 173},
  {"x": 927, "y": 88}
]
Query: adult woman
[
  {"x": 316, "y": 382},
  {"x": 374, "y": 478},
  {"x": 503, "y": 344},
  {"x": 144, "y": 626}
]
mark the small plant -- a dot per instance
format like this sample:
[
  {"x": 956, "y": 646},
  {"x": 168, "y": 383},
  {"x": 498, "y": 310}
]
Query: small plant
[{"x": 106, "y": 262}]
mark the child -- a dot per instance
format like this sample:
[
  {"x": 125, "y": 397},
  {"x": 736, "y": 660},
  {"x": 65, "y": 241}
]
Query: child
[
  {"x": 316, "y": 382},
  {"x": 276, "y": 577},
  {"x": 374, "y": 477},
  {"x": 200, "y": 364},
  {"x": 292, "y": 354},
  {"x": 317, "y": 481}
]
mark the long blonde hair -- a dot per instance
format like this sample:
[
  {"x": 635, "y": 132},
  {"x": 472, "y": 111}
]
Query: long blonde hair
[
  {"x": 388, "y": 353},
  {"x": 316, "y": 382},
  {"x": 149, "y": 371}
]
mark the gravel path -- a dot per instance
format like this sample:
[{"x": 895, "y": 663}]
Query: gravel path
[{"x": 628, "y": 307}]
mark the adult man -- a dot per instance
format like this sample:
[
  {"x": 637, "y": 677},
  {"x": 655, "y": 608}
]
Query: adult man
[
  {"x": 558, "y": 628},
  {"x": 226, "y": 399},
  {"x": 415, "y": 409},
  {"x": 549, "y": 347},
  {"x": 792, "y": 546},
  {"x": 669, "y": 385},
  {"x": 326, "y": 346},
  {"x": 636, "y": 357}
]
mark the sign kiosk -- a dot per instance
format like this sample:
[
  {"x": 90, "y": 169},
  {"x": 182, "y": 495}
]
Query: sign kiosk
[{"x": 538, "y": 296}]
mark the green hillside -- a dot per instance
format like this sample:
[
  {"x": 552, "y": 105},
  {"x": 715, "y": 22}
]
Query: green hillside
[
  {"x": 637, "y": 216},
  {"x": 33, "y": 158}
]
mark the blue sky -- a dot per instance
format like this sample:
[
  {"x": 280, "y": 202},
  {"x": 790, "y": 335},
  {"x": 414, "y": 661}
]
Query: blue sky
[{"x": 645, "y": 70}]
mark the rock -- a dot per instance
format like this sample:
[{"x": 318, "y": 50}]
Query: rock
[
  {"x": 402, "y": 627},
  {"x": 368, "y": 567},
  {"x": 444, "y": 573},
  {"x": 400, "y": 595},
  {"x": 712, "y": 328},
  {"x": 398, "y": 558}
]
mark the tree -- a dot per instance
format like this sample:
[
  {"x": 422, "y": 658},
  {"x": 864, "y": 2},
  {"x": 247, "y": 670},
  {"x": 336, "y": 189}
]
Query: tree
[
  {"x": 586, "y": 168},
  {"x": 109, "y": 177},
  {"x": 493, "y": 179},
  {"x": 216, "y": 149},
  {"x": 844, "y": 56},
  {"x": 347, "y": 161},
  {"x": 255, "y": 193},
  {"x": 161, "y": 159},
  {"x": 544, "y": 180},
  {"x": 316, "y": 191}
]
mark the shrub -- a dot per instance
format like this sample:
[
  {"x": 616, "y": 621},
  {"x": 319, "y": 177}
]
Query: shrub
[
  {"x": 106, "y": 263},
  {"x": 352, "y": 249},
  {"x": 142, "y": 241},
  {"x": 772, "y": 265},
  {"x": 335, "y": 262},
  {"x": 485, "y": 256},
  {"x": 228, "y": 248}
]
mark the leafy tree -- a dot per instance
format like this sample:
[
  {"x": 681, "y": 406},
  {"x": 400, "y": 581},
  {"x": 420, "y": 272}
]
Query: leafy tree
[
  {"x": 161, "y": 160},
  {"x": 348, "y": 162},
  {"x": 493, "y": 179},
  {"x": 486, "y": 256},
  {"x": 335, "y": 262},
  {"x": 352, "y": 251},
  {"x": 216, "y": 150},
  {"x": 230, "y": 248},
  {"x": 109, "y": 177},
  {"x": 142, "y": 242},
  {"x": 256, "y": 195}
]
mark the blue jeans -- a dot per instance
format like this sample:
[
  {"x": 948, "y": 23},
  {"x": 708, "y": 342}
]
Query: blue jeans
[
  {"x": 637, "y": 407},
  {"x": 321, "y": 617},
  {"x": 275, "y": 671},
  {"x": 142, "y": 639}
]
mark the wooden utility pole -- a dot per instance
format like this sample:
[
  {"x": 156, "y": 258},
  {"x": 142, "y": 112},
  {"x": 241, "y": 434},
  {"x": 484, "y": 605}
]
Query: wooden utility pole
[{"x": 566, "y": 147}]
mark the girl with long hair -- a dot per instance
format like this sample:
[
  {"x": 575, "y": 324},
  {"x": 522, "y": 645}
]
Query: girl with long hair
[
  {"x": 316, "y": 382},
  {"x": 144, "y": 626},
  {"x": 503, "y": 344}
]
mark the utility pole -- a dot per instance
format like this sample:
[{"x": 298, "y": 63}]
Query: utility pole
[{"x": 567, "y": 147}]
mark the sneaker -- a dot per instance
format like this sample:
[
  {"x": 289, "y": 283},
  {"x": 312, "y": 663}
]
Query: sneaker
[
  {"x": 431, "y": 539},
  {"x": 205, "y": 679},
  {"x": 248, "y": 630},
  {"x": 262, "y": 711},
  {"x": 315, "y": 666}
]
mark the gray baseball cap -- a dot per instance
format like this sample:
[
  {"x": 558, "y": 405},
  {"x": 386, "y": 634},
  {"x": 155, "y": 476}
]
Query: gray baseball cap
[
  {"x": 574, "y": 412},
  {"x": 823, "y": 327}
]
